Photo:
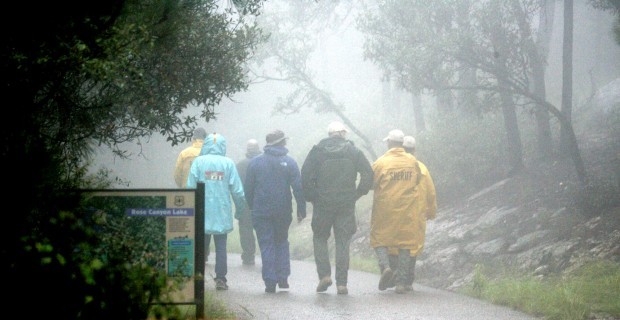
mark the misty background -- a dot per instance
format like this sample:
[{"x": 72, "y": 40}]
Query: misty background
[{"x": 338, "y": 66}]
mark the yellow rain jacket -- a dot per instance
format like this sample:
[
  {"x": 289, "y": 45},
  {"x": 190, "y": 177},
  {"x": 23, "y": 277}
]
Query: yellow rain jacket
[
  {"x": 404, "y": 197},
  {"x": 184, "y": 162}
]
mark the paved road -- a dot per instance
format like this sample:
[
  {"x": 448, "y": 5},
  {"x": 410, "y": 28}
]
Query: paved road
[{"x": 247, "y": 298}]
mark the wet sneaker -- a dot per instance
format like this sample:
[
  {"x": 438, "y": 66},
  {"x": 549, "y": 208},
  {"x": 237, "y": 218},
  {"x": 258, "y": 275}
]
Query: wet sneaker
[
  {"x": 324, "y": 284},
  {"x": 342, "y": 290},
  {"x": 220, "y": 284},
  {"x": 270, "y": 289},
  {"x": 386, "y": 277},
  {"x": 283, "y": 284}
]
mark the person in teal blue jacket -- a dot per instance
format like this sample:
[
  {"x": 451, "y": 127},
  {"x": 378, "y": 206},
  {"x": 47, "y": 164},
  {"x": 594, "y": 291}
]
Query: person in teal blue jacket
[{"x": 222, "y": 182}]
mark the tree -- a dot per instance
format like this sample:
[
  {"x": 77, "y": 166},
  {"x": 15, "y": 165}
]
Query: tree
[
  {"x": 102, "y": 72},
  {"x": 293, "y": 30},
  {"x": 429, "y": 44},
  {"x": 610, "y": 5},
  {"x": 567, "y": 75}
]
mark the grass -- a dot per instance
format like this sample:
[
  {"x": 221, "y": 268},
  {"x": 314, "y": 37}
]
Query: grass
[
  {"x": 592, "y": 289},
  {"x": 213, "y": 309}
]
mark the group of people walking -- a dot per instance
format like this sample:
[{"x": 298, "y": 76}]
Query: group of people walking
[{"x": 334, "y": 175}]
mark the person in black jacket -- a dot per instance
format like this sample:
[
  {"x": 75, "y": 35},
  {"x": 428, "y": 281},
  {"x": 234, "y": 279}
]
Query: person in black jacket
[{"x": 329, "y": 176}]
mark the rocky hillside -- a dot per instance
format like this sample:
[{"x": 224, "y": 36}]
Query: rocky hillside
[{"x": 538, "y": 222}]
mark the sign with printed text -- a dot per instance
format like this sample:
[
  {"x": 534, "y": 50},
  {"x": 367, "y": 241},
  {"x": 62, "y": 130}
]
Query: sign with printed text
[{"x": 162, "y": 221}]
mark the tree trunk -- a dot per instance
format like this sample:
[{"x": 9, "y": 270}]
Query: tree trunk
[
  {"x": 513, "y": 137},
  {"x": 418, "y": 114},
  {"x": 545, "y": 144},
  {"x": 386, "y": 94},
  {"x": 444, "y": 100},
  {"x": 567, "y": 77}
]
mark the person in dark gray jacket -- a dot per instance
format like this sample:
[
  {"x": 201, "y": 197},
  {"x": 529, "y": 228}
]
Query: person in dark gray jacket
[
  {"x": 329, "y": 175},
  {"x": 246, "y": 228}
]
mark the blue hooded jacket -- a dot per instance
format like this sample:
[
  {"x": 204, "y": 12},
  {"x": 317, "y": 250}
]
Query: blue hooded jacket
[
  {"x": 268, "y": 183},
  {"x": 219, "y": 174}
]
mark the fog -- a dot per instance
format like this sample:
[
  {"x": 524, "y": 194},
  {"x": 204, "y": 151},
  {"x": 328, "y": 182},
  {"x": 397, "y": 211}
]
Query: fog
[{"x": 339, "y": 68}]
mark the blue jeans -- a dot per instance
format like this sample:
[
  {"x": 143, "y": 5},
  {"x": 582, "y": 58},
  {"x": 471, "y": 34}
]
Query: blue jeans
[{"x": 221, "y": 262}]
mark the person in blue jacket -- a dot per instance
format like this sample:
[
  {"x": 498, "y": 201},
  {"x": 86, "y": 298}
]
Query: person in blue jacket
[
  {"x": 222, "y": 182},
  {"x": 268, "y": 183}
]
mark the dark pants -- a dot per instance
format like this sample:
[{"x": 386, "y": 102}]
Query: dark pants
[
  {"x": 272, "y": 235},
  {"x": 410, "y": 268},
  {"x": 207, "y": 246},
  {"x": 247, "y": 239},
  {"x": 342, "y": 220},
  {"x": 221, "y": 258}
]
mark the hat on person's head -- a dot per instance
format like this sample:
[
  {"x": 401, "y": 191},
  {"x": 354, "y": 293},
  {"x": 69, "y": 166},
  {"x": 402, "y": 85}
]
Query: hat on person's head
[
  {"x": 275, "y": 137},
  {"x": 336, "y": 126},
  {"x": 252, "y": 148},
  {"x": 409, "y": 142},
  {"x": 395, "y": 135},
  {"x": 200, "y": 133}
]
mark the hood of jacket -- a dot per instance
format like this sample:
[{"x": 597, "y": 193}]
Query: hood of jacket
[
  {"x": 214, "y": 144},
  {"x": 252, "y": 154},
  {"x": 334, "y": 144},
  {"x": 276, "y": 151}
]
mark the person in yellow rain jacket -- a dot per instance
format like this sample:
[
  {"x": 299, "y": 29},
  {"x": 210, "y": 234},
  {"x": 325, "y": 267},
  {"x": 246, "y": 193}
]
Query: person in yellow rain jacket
[
  {"x": 395, "y": 207},
  {"x": 187, "y": 155},
  {"x": 426, "y": 209}
]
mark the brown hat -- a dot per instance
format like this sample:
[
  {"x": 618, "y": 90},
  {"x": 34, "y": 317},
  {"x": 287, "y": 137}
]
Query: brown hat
[
  {"x": 199, "y": 133},
  {"x": 275, "y": 137}
]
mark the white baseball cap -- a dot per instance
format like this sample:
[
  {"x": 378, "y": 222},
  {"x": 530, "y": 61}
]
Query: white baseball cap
[
  {"x": 409, "y": 142},
  {"x": 395, "y": 135},
  {"x": 336, "y": 126}
]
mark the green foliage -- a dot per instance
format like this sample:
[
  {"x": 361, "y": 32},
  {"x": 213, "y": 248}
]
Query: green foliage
[
  {"x": 216, "y": 309},
  {"x": 575, "y": 296},
  {"x": 103, "y": 72}
]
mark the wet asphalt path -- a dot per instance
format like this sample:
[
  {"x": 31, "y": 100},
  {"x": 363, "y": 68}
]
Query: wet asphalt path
[{"x": 247, "y": 298}]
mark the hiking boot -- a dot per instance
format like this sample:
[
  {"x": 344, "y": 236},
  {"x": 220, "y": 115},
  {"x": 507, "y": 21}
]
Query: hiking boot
[
  {"x": 324, "y": 284},
  {"x": 283, "y": 284},
  {"x": 220, "y": 284},
  {"x": 400, "y": 289},
  {"x": 342, "y": 290},
  {"x": 386, "y": 277}
]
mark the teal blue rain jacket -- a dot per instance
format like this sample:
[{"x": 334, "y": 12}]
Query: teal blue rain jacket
[{"x": 219, "y": 174}]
